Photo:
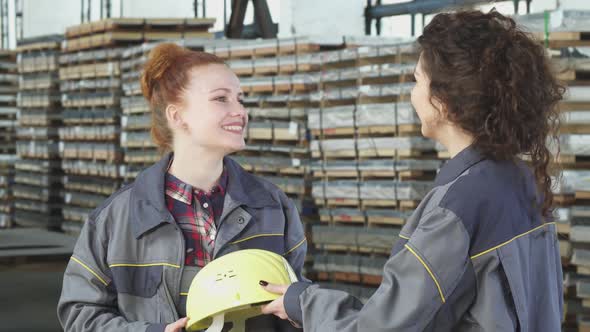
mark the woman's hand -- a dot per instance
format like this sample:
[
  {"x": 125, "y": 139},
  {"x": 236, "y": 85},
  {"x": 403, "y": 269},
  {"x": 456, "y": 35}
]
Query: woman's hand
[
  {"x": 176, "y": 326},
  {"x": 276, "y": 307}
]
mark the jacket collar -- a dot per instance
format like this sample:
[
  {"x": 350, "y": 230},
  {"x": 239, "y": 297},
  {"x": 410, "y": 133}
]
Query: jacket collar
[
  {"x": 457, "y": 165},
  {"x": 148, "y": 204}
]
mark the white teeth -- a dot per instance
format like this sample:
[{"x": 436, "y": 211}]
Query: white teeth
[{"x": 233, "y": 128}]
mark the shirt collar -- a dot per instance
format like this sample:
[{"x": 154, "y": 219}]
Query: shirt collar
[{"x": 457, "y": 165}]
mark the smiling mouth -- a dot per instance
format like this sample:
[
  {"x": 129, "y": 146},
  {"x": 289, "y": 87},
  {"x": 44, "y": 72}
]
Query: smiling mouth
[{"x": 234, "y": 129}]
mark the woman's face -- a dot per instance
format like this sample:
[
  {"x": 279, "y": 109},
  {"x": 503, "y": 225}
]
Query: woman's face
[
  {"x": 212, "y": 115},
  {"x": 429, "y": 110}
]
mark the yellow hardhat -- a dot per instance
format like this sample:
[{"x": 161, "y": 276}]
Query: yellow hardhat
[{"x": 227, "y": 288}]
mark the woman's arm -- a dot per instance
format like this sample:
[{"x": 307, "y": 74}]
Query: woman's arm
[
  {"x": 431, "y": 278},
  {"x": 88, "y": 300}
]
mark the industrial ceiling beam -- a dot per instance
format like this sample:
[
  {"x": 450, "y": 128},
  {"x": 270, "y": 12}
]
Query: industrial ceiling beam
[{"x": 263, "y": 25}]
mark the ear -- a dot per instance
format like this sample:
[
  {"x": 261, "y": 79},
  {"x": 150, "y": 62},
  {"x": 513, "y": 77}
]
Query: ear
[
  {"x": 440, "y": 108},
  {"x": 174, "y": 117}
]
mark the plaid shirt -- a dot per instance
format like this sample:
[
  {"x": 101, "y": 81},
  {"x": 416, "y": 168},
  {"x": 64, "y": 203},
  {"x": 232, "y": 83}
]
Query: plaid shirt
[{"x": 197, "y": 213}]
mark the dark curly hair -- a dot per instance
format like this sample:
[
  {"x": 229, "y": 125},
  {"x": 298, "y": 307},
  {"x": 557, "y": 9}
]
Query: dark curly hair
[{"x": 497, "y": 84}]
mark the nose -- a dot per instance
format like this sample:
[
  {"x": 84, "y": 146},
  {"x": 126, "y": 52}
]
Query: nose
[{"x": 239, "y": 110}]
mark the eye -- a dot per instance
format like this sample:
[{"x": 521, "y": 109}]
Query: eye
[{"x": 222, "y": 99}]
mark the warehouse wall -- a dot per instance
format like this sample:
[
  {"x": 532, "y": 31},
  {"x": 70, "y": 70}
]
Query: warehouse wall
[{"x": 301, "y": 17}]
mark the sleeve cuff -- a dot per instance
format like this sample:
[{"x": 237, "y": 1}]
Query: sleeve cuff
[
  {"x": 292, "y": 303},
  {"x": 156, "y": 328}
]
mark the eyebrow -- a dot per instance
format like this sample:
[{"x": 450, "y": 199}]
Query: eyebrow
[{"x": 226, "y": 90}]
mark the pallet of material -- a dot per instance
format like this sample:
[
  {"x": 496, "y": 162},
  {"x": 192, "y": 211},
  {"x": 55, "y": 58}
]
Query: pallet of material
[
  {"x": 75, "y": 213},
  {"x": 376, "y": 168},
  {"x": 378, "y": 217},
  {"x": 37, "y": 149},
  {"x": 276, "y": 131},
  {"x": 32, "y": 192},
  {"x": 47, "y": 208},
  {"x": 38, "y": 166},
  {"x": 289, "y": 185},
  {"x": 36, "y": 179},
  {"x": 84, "y": 184},
  {"x": 406, "y": 52},
  {"x": 38, "y": 62},
  {"x": 273, "y": 66},
  {"x": 144, "y": 156},
  {"x": 265, "y": 149},
  {"x": 38, "y": 81},
  {"x": 278, "y": 113},
  {"x": 90, "y": 116},
  {"x": 39, "y": 99},
  {"x": 572, "y": 70},
  {"x": 577, "y": 98},
  {"x": 94, "y": 133},
  {"x": 367, "y": 119},
  {"x": 134, "y": 24},
  {"x": 109, "y": 152},
  {"x": 94, "y": 99},
  {"x": 354, "y": 239},
  {"x": 91, "y": 168},
  {"x": 93, "y": 70},
  {"x": 136, "y": 140},
  {"x": 367, "y": 75},
  {"x": 371, "y": 147},
  {"x": 39, "y": 117},
  {"x": 91, "y": 84},
  {"x": 577, "y": 122},
  {"x": 273, "y": 47},
  {"x": 365, "y": 94},
  {"x": 135, "y": 104},
  {"x": 91, "y": 57},
  {"x": 23, "y": 133},
  {"x": 563, "y": 217},
  {"x": 136, "y": 122},
  {"x": 370, "y": 192},
  {"x": 84, "y": 199},
  {"x": 574, "y": 181},
  {"x": 331, "y": 262},
  {"x": 278, "y": 84},
  {"x": 275, "y": 164},
  {"x": 36, "y": 219}
]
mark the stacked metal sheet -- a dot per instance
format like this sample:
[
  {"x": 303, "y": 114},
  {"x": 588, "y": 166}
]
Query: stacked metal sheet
[
  {"x": 37, "y": 187},
  {"x": 114, "y": 32},
  {"x": 370, "y": 165},
  {"x": 8, "y": 124},
  {"x": 564, "y": 33},
  {"x": 90, "y": 87}
]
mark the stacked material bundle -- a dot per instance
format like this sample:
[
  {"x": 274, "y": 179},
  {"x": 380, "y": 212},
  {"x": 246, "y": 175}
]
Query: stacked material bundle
[
  {"x": 565, "y": 34},
  {"x": 89, "y": 139},
  {"x": 371, "y": 167},
  {"x": 8, "y": 114},
  {"x": 125, "y": 31},
  {"x": 37, "y": 186}
]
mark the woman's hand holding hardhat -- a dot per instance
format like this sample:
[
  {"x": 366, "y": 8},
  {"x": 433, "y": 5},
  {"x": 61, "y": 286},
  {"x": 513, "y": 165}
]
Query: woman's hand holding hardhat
[{"x": 276, "y": 307}]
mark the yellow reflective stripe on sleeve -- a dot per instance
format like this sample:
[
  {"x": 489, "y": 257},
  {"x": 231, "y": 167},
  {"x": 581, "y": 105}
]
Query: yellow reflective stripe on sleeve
[
  {"x": 442, "y": 297},
  {"x": 183, "y": 294},
  {"x": 145, "y": 265},
  {"x": 255, "y": 236},
  {"x": 514, "y": 238},
  {"x": 404, "y": 237},
  {"x": 295, "y": 247},
  {"x": 89, "y": 270}
]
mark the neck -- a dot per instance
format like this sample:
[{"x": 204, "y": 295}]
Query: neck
[
  {"x": 197, "y": 166},
  {"x": 455, "y": 140}
]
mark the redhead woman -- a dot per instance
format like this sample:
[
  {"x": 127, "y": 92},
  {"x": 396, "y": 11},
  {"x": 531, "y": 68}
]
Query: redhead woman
[{"x": 139, "y": 251}]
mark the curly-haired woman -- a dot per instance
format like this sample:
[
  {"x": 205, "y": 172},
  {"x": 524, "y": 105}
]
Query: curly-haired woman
[{"x": 480, "y": 253}]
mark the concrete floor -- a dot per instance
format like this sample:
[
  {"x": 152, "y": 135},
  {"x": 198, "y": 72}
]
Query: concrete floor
[{"x": 29, "y": 295}]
